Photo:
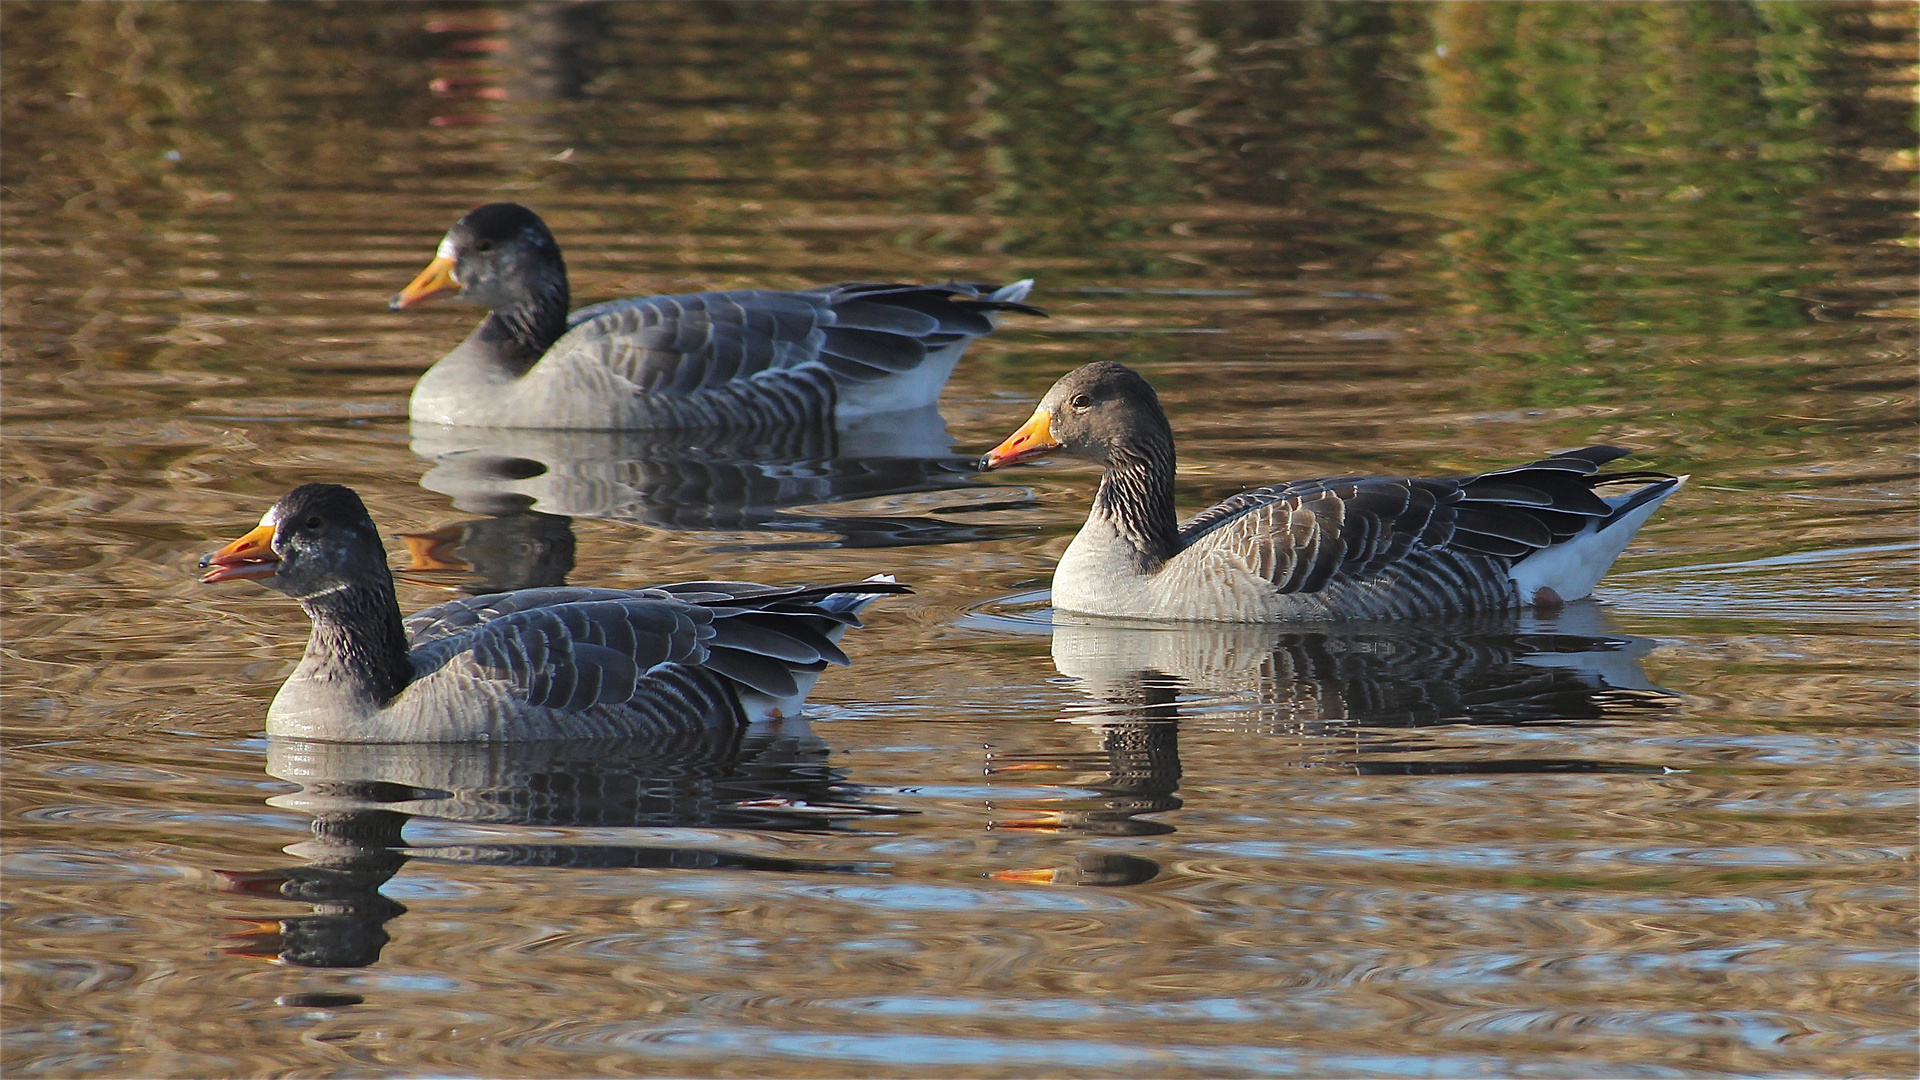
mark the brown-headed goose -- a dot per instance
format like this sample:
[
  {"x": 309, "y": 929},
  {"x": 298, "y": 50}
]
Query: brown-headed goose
[
  {"x": 1341, "y": 548},
  {"x": 743, "y": 358},
  {"x": 547, "y": 663}
]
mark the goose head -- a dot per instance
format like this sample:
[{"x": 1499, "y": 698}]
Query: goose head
[
  {"x": 1103, "y": 412},
  {"x": 317, "y": 539},
  {"x": 500, "y": 255}
]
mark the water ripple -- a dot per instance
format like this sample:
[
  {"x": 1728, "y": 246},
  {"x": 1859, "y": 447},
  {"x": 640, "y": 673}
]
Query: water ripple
[
  {"x": 923, "y": 897},
  {"x": 894, "y": 1051},
  {"x": 1570, "y": 858},
  {"x": 91, "y": 866}
]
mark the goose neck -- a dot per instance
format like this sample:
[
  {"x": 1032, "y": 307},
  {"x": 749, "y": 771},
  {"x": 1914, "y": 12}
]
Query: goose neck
[
  {"x": 1136, "y": 499},
  {"x": 521, "y": 333},
  {"x": 358, "y": 639}
]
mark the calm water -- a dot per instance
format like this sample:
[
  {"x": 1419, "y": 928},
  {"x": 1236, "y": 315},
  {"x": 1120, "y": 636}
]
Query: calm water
[{"x": 1667, "y": 834}]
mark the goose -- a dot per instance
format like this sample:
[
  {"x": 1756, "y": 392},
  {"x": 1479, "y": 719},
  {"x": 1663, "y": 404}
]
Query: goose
[
  {"x": 547, "y": 663},
  {"x": 742, "y": 358},
  {"x": 1336, "y": 549}
]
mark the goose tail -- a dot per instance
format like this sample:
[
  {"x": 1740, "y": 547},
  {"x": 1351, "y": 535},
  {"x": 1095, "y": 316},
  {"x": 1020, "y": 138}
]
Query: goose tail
[
  {"x": 842, "y": 610},
  {"x": 1012, "y": 293},
  {"x": 1569, "y": 570},
  {"x": 852, "y": 603}
]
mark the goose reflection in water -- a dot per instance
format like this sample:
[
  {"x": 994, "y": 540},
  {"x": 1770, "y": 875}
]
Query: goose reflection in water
[
  {"x": 785, "y": 480},
  {"x": 1493, "y": 668},
  {"x": 1331, "y": 688},
  {"x": 362, "y": 795}
]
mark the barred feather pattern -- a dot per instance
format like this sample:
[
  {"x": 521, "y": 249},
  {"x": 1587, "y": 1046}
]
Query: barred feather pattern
[
  {"x": 1347, "y": 547},
  {"x": 735, "y": 359},
  {"x": 1370, "y": 547},
  {"x": 1137, "y": 481},
  {"x": 573, "y": 662}
]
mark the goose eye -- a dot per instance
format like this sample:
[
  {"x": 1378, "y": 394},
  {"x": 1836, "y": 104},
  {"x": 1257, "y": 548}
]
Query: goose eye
[
  {"x": 483, "y": 246},
  {"x": 1081, "y": 403},
  {"x": 312, "y": 522}
]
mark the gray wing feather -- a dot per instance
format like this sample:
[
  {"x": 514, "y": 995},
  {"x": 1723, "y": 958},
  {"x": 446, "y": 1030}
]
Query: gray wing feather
[
  {"x": 761, "y": 673},
  {"x": 677, "y": 345},
  {"x": 1307, "y": 534},
  {"x": 766, "y": 638},
  {"x": 686, "y": 343},
  {"x": 887, "y": 318},
  {"x": 430, "y": 624},
  {"x": 575, "y": 656},
  {"x": 575, "y": 649},
  {"x": 889, "y": 353}
]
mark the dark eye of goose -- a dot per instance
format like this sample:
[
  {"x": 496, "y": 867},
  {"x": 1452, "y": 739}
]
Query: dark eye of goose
[
  {"x": 1081, "y": 403},
  {"x": 483, "y": 246},
  {"x": 312, "y": 522}
]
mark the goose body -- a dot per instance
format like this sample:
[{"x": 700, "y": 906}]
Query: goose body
[
  {"x": 1334, "y": 549},
  {"x": 734, "y": 359},
  {"x": 546, "y": 663}
]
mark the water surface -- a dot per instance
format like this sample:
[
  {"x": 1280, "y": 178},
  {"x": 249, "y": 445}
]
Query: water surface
[{"x": 1668, "y": 833}]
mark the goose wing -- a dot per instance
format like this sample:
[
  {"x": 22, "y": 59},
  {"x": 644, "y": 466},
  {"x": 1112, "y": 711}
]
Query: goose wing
[
  {"x": 573, "y": 649},
  {"x": 859, "y": 331},
  {"x": 557, "y": 648},
  {"x": 1307, "y": 534}
]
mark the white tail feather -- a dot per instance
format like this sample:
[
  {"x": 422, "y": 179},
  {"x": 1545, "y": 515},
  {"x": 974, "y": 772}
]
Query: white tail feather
[
  {"x": 1013, "y": 293},
  {"x": 1573, "y": 568}
]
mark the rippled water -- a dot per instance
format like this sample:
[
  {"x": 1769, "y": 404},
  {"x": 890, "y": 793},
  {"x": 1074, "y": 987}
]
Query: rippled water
[{"x": 1666, "y": 834}]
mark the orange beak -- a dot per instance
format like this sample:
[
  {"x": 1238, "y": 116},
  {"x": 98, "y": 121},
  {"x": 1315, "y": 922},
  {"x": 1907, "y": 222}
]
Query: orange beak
[
  {"x": 251, "y": 556},
  {"x": 435, "y": 281},
  {"x": 1034, "y": 439}
]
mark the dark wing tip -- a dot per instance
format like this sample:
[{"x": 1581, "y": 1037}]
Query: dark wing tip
[
  {"x": 1001, "y": 305},
  {"x": 1598, "y": 455}
]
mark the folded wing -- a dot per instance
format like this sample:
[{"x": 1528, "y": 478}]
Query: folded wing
[
  {"x": 684, "y": 345},
  {"x": 578, "y": 649},
  {"x": 1307, "y": 535}
]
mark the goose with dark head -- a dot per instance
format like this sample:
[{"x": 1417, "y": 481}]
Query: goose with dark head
[
  {"x": 546, "y": 663},
  {"x": 713, "y": 360},
  {"x": 1333, "y": 549},
  {"x": 504, "y": 258}
]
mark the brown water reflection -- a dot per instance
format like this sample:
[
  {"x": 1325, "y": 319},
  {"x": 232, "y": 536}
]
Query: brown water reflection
[{"x": 1672, "y": 840}]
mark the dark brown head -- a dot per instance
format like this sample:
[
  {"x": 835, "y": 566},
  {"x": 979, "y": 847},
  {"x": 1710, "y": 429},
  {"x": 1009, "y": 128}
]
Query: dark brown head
[
  {"x": 317, "y": 539},
  {"x": 1104, "y": 412},
  {"x": 500, "y": 255}
]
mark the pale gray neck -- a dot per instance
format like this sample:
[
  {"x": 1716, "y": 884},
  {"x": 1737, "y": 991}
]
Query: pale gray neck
[
  {"x": 1136, "y": 500},
  {"x": 358, "y": 639}
]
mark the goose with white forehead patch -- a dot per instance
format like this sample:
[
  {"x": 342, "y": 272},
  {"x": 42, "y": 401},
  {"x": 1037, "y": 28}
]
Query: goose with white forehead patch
[
  {"x": 549, "y": 663},
  {"x": 735, "y": 359}
]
